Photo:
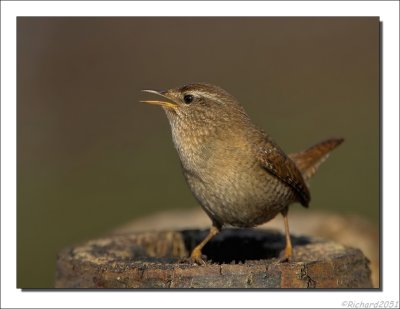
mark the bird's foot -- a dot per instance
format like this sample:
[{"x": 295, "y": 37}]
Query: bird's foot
[
  {"x": 197, "y": 257},
  {"x": 287, "y": 257}
]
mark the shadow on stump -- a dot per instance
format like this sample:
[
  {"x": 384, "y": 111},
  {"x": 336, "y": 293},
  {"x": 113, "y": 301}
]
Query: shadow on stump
[{"x": 240, "y": 245}]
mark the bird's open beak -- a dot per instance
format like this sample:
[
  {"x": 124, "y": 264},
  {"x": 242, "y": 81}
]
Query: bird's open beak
[{"x": 162, "y": 103}]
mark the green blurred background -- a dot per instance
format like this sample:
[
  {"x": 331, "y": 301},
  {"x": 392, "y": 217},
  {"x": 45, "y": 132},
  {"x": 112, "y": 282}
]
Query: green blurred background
[{"x": 91, "y": 157}]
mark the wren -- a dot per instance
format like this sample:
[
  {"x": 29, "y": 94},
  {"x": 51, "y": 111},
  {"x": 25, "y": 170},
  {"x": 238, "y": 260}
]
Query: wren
[{"x": 237, "y": 173}]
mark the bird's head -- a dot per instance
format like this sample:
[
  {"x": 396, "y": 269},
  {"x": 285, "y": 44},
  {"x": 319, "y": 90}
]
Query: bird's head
[{"x": 198, "y": 105}]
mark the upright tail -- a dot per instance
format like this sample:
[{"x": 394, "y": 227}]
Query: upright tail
[{"x": 310, "y": 159}]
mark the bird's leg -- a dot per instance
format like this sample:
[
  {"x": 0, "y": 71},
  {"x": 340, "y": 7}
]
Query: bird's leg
[
  {"x": 196, "y": 253},
  {"x": 288, "y": 248}
]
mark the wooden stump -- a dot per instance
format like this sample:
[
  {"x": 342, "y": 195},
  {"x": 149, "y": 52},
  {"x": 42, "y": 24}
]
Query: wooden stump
[{"x": 237, "y": 258}]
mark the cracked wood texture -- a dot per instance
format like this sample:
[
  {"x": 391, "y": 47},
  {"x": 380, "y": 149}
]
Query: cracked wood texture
[{"x": 237, "y": 258}]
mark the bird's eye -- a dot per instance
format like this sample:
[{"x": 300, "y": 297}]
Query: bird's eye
[{"x": 188, "y": 98}]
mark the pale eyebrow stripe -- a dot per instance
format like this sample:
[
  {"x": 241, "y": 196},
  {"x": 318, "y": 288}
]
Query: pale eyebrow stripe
[{"x": 205, "y": 94}]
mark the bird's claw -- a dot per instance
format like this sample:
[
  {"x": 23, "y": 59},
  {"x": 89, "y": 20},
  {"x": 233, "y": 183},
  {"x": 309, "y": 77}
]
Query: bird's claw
[
  {"x": 197, "y": 257},
  {"x": 286, "y": 258}
]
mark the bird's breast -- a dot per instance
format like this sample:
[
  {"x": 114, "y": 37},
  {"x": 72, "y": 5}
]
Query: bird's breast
[{"x": 227, "y": 179}]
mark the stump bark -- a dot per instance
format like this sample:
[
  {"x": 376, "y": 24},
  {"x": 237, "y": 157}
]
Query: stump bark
[{"x": 237, "y": 258}]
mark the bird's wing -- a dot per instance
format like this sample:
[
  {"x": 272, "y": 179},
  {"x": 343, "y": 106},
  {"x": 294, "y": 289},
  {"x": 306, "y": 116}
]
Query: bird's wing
[{"x": 275, "y": 161}]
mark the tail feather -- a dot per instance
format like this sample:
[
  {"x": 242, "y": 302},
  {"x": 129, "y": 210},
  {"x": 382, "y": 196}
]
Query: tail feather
[{"x": 310, "y": 159}]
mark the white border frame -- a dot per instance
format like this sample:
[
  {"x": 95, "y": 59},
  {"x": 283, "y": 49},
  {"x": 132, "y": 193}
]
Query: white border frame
[{"x": 387, "y": 11}]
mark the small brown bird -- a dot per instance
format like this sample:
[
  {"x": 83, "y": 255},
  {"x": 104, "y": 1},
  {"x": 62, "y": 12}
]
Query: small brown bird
[{"x": 236, "y": 172}]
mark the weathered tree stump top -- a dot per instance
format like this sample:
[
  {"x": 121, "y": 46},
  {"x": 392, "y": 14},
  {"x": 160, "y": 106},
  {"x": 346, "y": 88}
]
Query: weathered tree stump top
[{"x": 237, "y": 258}]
